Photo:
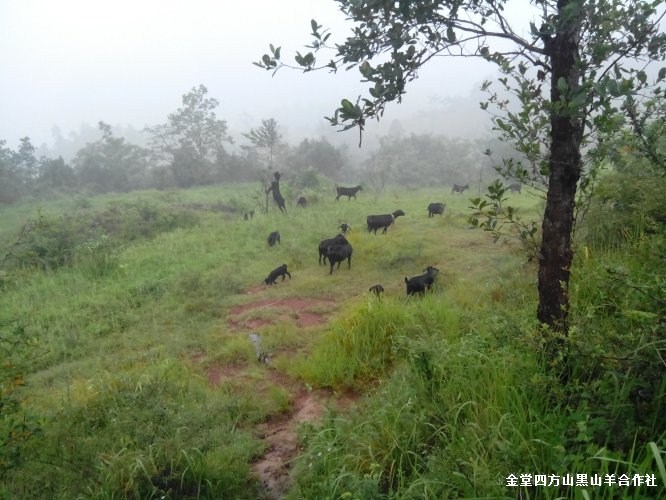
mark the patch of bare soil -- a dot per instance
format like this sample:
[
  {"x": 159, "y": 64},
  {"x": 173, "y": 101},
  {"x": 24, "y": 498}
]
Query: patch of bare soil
[
  {"x": 270, "y": 311},
  {"x": 216, "y": 373},
  {"x": 280, "y": 433},
  {"x": 282, "y": 443}
]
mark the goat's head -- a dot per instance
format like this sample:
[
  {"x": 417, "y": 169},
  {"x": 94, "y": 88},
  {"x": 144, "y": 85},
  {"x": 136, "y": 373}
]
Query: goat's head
[{"x": 431, "y": 270}]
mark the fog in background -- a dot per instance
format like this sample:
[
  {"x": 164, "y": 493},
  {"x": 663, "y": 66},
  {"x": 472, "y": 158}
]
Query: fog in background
[{"x": 69, "y": 64}]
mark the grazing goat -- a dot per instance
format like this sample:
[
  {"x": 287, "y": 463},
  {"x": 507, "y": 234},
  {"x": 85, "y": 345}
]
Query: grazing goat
[
  {"x": 273, "y": 238},
  {"x": 459, "y": 189},
  {"x": 419, "y": 284},
  {"x": 378, "y": 221},
  {"x": 338, "y": 251},
  {"x": 276, "y": 273},
  {"x": 436, "y": 208},
  {"x": 249, "y": 215},
  {"x": 348, "y": 192},
  {"x": 515, "y": 187},
  {"x": 324, "y": 244},
  {"x": 344, "y": 228},
  {"x": 377, "y": 290},
  {"x": 302, "y": 202}
]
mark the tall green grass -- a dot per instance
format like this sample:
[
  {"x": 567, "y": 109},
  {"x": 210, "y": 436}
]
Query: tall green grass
[{"x": 121, "y": 343}]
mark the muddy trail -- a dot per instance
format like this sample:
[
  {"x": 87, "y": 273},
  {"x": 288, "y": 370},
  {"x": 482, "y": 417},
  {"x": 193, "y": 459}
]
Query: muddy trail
[{"x": 280, "y": 432}]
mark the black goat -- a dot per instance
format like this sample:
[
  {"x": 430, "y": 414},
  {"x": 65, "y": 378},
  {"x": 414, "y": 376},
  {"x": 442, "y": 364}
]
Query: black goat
[
  {"x": 249, "y": 215},
  {"x": 344, "y": 228},
  {"x": 276, "y": 273},
  {"x": 324, "y": 244},
  {"x": 436, "y": 208},
  {"x": 348, "y": 192},
  {"x": 419, "y": 284},
  {"x": 338, "y": 251},
  {"x": 459, "y": 189},
  {"x": 515, "y": 187},
  {"x": 302, "y": 202},
  {"x": 377, "y": 289},
  {"x": 378, "y": 221},
  {"x": 273, "y": 238}
]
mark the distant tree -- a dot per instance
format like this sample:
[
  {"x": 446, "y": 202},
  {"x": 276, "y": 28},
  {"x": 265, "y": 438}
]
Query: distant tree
[
  {"x": 55, "y": 174},
  {"x": 18, "y": 170},
  {"x": 266, "y": 139},
  {"x": 25, "y": 161},
  {"x": 318, "y": 154},
  {"x": 576, "y": 51},
  {"x": 10, "y": 182},
  {"x": 378, "y": 172},
  {"x": 111, "y": 164},
  {"x": 423, "y": 160},
  {"x": 192, "y": 139}
]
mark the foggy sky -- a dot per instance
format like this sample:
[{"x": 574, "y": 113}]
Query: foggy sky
[{"x": 129, "y": 62}]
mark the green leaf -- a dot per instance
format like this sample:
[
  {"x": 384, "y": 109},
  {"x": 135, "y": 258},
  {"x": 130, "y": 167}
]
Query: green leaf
[
  {"x": 534, "y": 30},
  {"x": 347, "y": 105},
  {"x": 662, "y": 73},
  {"x": 314, "y": 26},
  {"x": 642, "y": 77},
  {"x": 562, "y": 85},
  {"x": 450, "y": 35},
  {"x": 500, "y": 123}
]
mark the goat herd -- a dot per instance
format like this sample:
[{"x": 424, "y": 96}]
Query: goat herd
[{"x": 338, "y": 249}]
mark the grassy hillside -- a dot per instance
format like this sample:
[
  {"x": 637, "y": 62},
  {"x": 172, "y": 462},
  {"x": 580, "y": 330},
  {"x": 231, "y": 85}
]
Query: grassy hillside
[{"x": 130, "y": 373}]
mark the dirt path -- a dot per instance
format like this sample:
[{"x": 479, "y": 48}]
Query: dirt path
[
  {"x": 280, "y": 434},
  {"x": 282, "y": 443}
]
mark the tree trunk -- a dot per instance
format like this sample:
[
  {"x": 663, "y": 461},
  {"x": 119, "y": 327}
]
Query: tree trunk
[{"x": 565, "y": 167}]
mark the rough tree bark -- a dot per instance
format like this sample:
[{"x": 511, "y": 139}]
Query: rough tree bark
[{"x": 565, "y": 169}]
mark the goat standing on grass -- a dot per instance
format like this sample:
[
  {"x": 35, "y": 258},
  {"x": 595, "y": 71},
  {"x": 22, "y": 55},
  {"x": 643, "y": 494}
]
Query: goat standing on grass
[
  {"x": 324, "y": 244},
  {"x": 276, "y": 273},
  {"x": 378, "y": 221},
  {"x": 515, "y": 188},
  {"x": 459, "y": 189},
  {"x": 302, "y": 202},
  {"x": 436, "y": 208},
  {"x": 338, "y": 251},
  {"x": 419, "y": 284},
  {"x": 348, "y": 192},
  {"x": 377, "y": 289},
  {"x": 273, "y": 238},
  {"x": 344, "y": 227}
]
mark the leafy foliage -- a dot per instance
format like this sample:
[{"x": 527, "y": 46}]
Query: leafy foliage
[
  {"x": 268, "y": 138},
  {"x": 91, "y": 240},
  {"x": 192, "y": 139},
  {"x": 17, "y": 426},
  {"x": 491, "y": 214},
  {"x": 110, "y": 164}
]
